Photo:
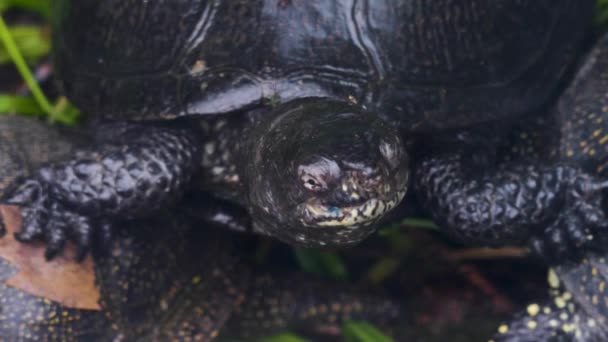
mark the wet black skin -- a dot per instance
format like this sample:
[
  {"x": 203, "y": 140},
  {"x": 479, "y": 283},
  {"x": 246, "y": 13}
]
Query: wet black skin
[
  {"x": 172, "y": 277},
  {"x": 556, "y": 197},
  {"x": 189, "y": 285},
  {"x": 280, "y": 69},
  {"x": 574, "y": 132}
]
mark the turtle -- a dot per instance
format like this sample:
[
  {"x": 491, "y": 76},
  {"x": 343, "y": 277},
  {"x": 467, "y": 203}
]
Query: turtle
[
  {"x": 309, "y": 114},
  {"x": 574, "y": 130},
  {"x": 146, "y": 287}
]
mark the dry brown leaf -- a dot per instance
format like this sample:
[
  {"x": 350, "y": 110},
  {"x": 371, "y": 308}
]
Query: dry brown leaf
[{"x": 61, "y": 280}]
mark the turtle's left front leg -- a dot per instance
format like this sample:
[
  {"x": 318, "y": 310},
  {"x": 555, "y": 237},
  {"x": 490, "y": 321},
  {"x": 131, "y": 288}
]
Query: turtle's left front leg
[
  {"x": 133, "y": 171},
  {"x": 556, "y": 208}
]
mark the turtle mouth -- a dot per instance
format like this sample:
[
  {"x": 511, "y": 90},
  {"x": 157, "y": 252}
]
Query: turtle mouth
[{"x": 318, "y": 214}]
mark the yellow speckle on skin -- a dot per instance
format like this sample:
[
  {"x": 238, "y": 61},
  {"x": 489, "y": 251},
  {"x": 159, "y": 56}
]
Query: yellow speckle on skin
[
  {"x": 602, "y": 286},
  {"x": 532, "y": 324},
  {"x": 553, "y": 323},
  {"x": 503, "y": 328},
  {"x": 569, "y": 153},
  {"x": 594, "y": 271},
  {"x": 196, "y": 280},
  {"x": 591, "y": 322},
  {"x": 547, "y": 310},
  {"x": 560, "y": 303},
  {"x": 597, "y": 132},
  {"x": 553, "y": 279},
  {"x": 604, "y": 139},
  {"x": 568, "y": 327},
  {"x": 563, "y": 316},
  {"x": 533, "y": 309}
]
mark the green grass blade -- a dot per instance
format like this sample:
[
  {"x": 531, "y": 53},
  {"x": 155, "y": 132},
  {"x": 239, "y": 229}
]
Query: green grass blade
[
  {"x": 42, "y": 7},
  {"x": 64, "y": 116},
  {"x": 355, "y": 331},
  {"x": 325, "y": 263},
  {"x": 17, "y": 58},
  {"x": 31, "y": 40},
  {"x": 285, "y": 337},
  {"x": 19, "y": 104},
  {"x": 383, "y": 269}
]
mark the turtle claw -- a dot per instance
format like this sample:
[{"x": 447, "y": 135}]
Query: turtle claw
[
  {"x": 47, "y": 220},
  {"x": 22, "y": 191},
  {"x": 582, "y": 226},
  {"x": 82, "y": 234},
  {"x": 55, "y": 242},
  {"x": 33, "y": 223}
]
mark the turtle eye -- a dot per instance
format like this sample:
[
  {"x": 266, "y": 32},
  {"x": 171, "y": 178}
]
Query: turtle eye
[
  {"x": 316, "y": 176},
  {"x": 313, "y": 184}
]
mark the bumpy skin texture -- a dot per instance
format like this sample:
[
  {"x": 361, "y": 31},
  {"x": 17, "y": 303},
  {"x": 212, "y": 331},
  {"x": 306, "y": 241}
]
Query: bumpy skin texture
[
  {"x": 320, "y": 303},
  {"x": 165, "y": 279},
  {"x": 577, "y": 308},
  {"x": 575, "y": 311},
  {"x": 556, "y": 200},
  {"x": 556, "y": 208},
  {"x": 151, "y": 290},
  {"x": 137, "y": 169},
  {"x": 45, "y": 145},
  {"x": 129, "y": 60}
]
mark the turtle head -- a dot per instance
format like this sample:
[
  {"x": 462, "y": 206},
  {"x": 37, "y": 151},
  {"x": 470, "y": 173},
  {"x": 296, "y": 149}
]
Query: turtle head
[{"x": 324, "y": 172}]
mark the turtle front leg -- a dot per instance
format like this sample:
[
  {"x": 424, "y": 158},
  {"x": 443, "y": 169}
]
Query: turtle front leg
[
  {"x": 275, "y": 303},
  {"x": 132, "y": 172},
  {"x": 557, "y": 209}
]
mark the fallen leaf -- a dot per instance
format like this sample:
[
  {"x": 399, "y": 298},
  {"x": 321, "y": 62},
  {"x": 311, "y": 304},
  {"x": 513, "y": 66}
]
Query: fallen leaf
[{"x": 62, "y": 280}]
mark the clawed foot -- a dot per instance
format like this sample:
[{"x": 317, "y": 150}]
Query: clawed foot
[
  {"x": 44, "y": 219},
  {"x": 582, "y": 225}
]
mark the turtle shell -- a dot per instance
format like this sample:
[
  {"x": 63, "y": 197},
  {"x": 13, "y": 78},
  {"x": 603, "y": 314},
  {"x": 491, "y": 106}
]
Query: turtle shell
[{"x": 422, "y": 63}]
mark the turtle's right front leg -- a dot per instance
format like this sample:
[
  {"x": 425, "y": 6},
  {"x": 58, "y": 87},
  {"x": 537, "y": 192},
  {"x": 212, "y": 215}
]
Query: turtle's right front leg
[
  {"x": 557, "y": 208},
  {"x": 132, "y": 172}
]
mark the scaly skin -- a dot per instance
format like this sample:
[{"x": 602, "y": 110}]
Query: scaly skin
[
  {"x": 151, "y": 290},
  {"x": 164, "y": 279},
  {"x": 118, "y": 180},
  {"x": 575, "y": 311},
  {"x": 548, "y": 186},
  {"x": 577, "y": 308}
]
